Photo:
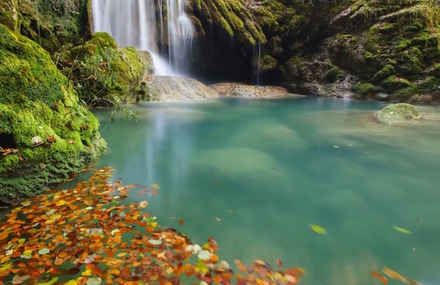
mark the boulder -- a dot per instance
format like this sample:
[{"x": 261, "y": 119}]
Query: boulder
[
  {"x": 175, "y": 88},
  {"x": 400, "y": 112},
  {"x": 47, "y": 134}
]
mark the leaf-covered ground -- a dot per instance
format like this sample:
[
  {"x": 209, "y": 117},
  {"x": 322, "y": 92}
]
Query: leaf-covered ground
[{"x": 85, "y": 235}]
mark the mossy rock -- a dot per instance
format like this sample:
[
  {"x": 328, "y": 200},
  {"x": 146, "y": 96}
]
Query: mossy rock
[
  {"x": 54, "y": 23},
  {"x": 37, "y": 100},
  {"x": 400, "y": 112},
  {"x": 9, "y": 15},
  {"x": 102, "y": 73}
]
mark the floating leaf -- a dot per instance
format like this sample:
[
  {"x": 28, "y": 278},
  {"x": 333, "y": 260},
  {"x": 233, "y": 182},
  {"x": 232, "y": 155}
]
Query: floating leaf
[
  {"x": 94, "y": 281},
  {"x": 143, "y": 204},
  {"x": 71, "y": 282},
  {"x": 280, "y": 264},
  {"x": 379, "y": 276},
  {"x": 218, "y": 220},
  {"x": 50, "y": 282},
  {"x": 401, "y": 230},
  {"x": 155, "y": 242},
  {"x": 204, "y": 255},
  {"x": 318, "y": 229},
  {"x": 43, "y": 251},
  {"x": 73, "y": 271},
  {"x": 87, "y": 272},
  {"x": 20, "y": 279},
  {"x": 394, "y": 275},
  {"x": 181, "y": 222}
]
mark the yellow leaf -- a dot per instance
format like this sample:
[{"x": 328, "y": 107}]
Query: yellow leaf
[
  {"x": 5, "y": 267},
  {"x": 50, "y": 282},
  {"x": 61, "y": 203},
  {"x": 401, "y": 230},
  {"x": 71, "y": 282},
  {"x": 88, "y": 272},
  {"x": 317, "y": 229},
  {"x": 121, "y": 254},
  {"x": 27, "y": 252}
]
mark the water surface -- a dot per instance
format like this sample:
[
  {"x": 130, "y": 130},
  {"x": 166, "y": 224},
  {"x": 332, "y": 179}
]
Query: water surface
[{"x": 256, "y": 173}]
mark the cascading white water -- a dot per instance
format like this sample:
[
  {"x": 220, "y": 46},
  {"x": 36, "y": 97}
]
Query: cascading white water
[
  {"x": 180, "y": 35},
  {"x": 134, "y": 23}
]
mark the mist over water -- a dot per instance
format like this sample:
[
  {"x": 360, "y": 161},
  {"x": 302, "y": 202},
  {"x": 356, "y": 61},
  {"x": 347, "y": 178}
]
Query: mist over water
[{"x": 255, "y": 175}]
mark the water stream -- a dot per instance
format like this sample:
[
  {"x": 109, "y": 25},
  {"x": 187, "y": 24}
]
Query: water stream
[
  {"x": 135, "y": 23},
  {"x": 256, "y": 174}
]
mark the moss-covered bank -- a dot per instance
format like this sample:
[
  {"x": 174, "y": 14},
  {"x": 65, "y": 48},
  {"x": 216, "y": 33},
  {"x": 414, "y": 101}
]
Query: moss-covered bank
[{"x": 36, "y": 100}]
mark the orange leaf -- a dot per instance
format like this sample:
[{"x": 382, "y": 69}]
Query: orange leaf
[
  {"x": 181, "y": 222},
  {"x": 280, "y": 263},
  {"x": 379, "y": 276}
]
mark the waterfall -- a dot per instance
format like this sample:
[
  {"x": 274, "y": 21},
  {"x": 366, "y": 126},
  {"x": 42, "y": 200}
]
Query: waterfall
[
  {"x": 180, "y": 35},
  {"x": 257, "y": 63},
  {"x": 135, "y": 23}
]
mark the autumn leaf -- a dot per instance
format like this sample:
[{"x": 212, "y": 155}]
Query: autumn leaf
[
  {"x": 280, "y": 264},
  {"x": 143, "y": 204},
  {"x": 181, "y": 222},
  {"x": 379, "y": 276}
]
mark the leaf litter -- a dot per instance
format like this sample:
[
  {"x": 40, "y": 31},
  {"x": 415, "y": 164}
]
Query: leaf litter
[{"x": 86, "y": 236}]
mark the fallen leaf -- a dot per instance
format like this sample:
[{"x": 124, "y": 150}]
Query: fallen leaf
[
  {"x": 379, "y": 276},
  {"x": 181, "y": 222},
  {"x": 318, "y": 229},
  {"x": 394, "y": 275},
  {"x": 401, "y": 230},
  {"x": 43, "y": 251},
  {"x": 280, "y": 264},
  {"x": 143, "y": 204}
]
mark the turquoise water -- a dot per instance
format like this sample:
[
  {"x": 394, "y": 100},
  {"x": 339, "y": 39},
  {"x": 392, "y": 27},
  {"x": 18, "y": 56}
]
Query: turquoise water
[{"x": 256, "y": 173}]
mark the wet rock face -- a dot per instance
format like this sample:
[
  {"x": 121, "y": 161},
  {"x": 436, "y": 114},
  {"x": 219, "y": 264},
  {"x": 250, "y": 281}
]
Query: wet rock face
[
  {"x": 396, "y": 113},
  {"x": 393, "y": 46}
]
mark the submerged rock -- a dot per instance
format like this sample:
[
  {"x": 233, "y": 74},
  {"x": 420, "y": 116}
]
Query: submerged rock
[
  {"x": 240, "y": 164},
  {"x": 174, "y": 88},
  {"x": 400, "y": 112}
]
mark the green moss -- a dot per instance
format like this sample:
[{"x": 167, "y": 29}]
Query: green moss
[
  {"x": 102, "y": 73},
  {"x": 268, "y": 63},
  {"x": 364, "y": 88},
  {"x": 9, "y": 15},
  {"x": 392, "y": 83},
  {"x": 37, "y": 100},
  {"x": 53, "y": 23},
  {"x": 400, "y": 112}
]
